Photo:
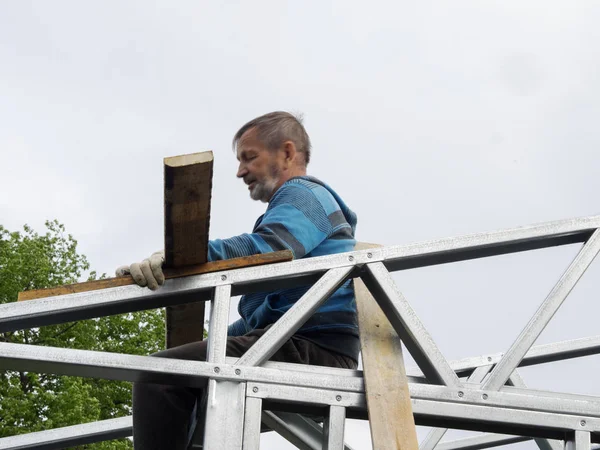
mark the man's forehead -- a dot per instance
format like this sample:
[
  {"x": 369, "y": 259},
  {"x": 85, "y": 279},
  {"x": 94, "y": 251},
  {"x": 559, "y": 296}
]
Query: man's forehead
[
  {"x": 248, "y": 137},
  {"x": 248, "y": 141}
]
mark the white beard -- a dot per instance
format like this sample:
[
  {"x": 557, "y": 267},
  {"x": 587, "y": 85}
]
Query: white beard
[{"x": 263, "y": 191}]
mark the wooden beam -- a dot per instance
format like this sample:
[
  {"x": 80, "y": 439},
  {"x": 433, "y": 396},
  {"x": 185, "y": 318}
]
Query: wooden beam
[
  {"x": 388, "y": 399},
  {"x": 188, "y": 183},
  {"x": 216, "y": 266}
]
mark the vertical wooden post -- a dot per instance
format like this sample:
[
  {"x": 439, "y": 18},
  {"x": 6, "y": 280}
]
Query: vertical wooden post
[
  {"x": 388, "y": 399},
  {"x": 188, "y": 183}
]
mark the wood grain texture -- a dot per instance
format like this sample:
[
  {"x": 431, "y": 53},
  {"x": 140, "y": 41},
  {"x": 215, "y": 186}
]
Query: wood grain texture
[
  {"x": 188, "y": 187},
  {"x": 188, "y": 184},
  {"x": 216, "y": 266},
  {"x": 388, "y": 399}
]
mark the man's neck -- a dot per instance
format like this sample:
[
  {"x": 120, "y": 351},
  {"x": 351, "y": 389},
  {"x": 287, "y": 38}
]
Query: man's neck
[{"x": 297, "y": 172}]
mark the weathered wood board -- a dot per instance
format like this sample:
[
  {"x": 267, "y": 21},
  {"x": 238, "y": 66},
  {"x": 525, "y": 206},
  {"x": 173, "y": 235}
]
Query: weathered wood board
[
  {"x": 216, "y": 266},
  {"x": 188, "y": 183},
  {"x": 388, "y": 398}
]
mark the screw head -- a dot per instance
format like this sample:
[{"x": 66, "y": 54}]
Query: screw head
[
  {"x": 369, "y": 255},
  {"x": 255, "y": 389},
  {"x": 484, "y": 396},
  {"x": 238, "y": 371},
  {"x": 582, "y": 423},
  {"x": 350, "y": 258},
  {"x": 461, "y": 394},
  {"x": 338, "y": 398},
  {"x": 216, "y": 370},
  {"x": 223, "y": 277},
  {"x": 489, "y": 359}
]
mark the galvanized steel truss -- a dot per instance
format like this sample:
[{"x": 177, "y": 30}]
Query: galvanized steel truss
[{"x": 244, "y": 391}]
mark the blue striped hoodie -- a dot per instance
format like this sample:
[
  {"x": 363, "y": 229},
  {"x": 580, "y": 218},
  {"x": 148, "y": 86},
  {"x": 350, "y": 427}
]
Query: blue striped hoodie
[{"x": 309, "y": 218}]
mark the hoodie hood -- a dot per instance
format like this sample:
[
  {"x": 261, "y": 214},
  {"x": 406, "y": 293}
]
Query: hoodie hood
[{"x": 348, "y": 213}]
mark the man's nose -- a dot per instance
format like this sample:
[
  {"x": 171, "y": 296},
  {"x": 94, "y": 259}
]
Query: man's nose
[{"x": 242, "y": 171}]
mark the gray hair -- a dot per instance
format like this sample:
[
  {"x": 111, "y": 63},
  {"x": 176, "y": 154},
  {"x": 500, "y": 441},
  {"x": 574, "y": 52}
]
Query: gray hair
[{"x": 274, "y": 128}]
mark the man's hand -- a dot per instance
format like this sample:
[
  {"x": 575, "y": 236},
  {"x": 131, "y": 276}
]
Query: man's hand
[{"x": 146, "y": 273}]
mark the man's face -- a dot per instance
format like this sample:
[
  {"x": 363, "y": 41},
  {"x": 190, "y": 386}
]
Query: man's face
[{"x": 259, "y": 167}]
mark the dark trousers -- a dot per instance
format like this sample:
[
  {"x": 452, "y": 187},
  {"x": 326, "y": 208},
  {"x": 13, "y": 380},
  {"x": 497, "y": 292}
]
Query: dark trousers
[{"x": 161, "y": 413}]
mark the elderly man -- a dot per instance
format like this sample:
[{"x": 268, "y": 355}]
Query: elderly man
[{"x": 303, "y": 215}]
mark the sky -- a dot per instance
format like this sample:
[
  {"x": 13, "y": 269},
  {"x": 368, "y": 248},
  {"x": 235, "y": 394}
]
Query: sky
[{"x": 430, "y": 119}]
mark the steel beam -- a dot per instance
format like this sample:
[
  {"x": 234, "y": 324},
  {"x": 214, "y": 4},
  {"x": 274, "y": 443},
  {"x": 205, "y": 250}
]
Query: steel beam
[
  {"x": 408, "y": 326},
  {"x": 295, "y": 429},
  {"x": 252, "y": 421},
  {"x": 468, "y": 409},
  {"x": 219, "y": 318},
  {"x": 579, "y": 440},
  {"x": 435, "y": 435},
  {"x": 65, "y": 308},
  {"x": 510, "y": 361},
  {"x": 188, "y": 373},
  {"x": 487, "y": 441},
  {"x": 543, "y": 444},
  {"x": 294, "y": 318},
  {"x": 72, "y": 436},
  {"x": 333, "y": 436},
  {"x": 540, "y": 354},
  {"x": 482, "y": 441},
  {"x": 490, "y": 407}
]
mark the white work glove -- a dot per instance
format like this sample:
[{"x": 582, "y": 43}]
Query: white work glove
[{"x": 146, "y": 273}]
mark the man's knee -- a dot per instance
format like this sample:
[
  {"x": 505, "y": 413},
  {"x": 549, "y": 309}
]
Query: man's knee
[{"x": 194, "y": 351}]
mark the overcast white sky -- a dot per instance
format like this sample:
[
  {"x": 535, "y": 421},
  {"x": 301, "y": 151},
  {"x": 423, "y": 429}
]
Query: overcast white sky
[{"x": 431, "y": 119}]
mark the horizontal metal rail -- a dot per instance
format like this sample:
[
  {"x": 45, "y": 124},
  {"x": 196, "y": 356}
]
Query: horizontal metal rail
[
  {"x": 132, "y": 368},
  {"x": 188, "y": 373},
  {"x": 431, "y": 409},
  {"x": 85, "y": 305},
  {"x": 75, "y": 435},
  {"x": 486, "y": 441},
  {"x": 539, "y": 354},
  {"x": 117, "y": 366},
  {"x": 483, "y": 441},
  {"x": 489, "y": 406}
]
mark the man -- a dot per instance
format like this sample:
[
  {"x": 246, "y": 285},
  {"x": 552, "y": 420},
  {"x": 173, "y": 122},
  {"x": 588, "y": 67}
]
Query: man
[{"x": 303, "y": 215}]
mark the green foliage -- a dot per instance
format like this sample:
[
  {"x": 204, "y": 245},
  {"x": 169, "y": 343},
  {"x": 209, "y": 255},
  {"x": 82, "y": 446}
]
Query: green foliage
[{"x": 35, "y": 402}]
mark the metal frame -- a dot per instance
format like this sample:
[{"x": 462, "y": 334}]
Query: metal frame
[{"x": 244, "y": 391}]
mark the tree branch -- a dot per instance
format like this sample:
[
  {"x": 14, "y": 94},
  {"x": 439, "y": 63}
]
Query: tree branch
[
  {"x": 25, "y": 382},
  {"x": 56, "y": 335}
]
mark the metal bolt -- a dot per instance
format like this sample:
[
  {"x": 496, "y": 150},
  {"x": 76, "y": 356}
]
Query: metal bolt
[
  {"x": 238, "y": 371},
  {"x": 582, "y": 423},
  {"x": 255, "y": 389},
  {"x": 350, "y": 258},
  {"x": 223, "y": 277},
  {"x": 216, "y": 370},
  {"x": 461, "y": 394},
  {"x": 484, "y": 396},
  {"x": 338, "y": 398},
  {"x": 489, "y": 358},
  {"x": 369, "y": 255}
]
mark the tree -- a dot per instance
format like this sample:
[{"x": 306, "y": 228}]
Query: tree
[{"x": 33, "y": 402}]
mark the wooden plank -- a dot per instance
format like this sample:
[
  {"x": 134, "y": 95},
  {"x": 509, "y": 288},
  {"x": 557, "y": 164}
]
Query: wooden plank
[
  {"x": 388, "y": 399},
  {"x": 216, "y": 266},
  {"x": 188, "y": 183}
]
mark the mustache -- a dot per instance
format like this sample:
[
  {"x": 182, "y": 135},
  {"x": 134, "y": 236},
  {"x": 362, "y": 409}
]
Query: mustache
[{"x": 249, "y": 180}]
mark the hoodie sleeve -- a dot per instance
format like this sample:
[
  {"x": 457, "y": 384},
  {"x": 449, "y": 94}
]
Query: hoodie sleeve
[
  {"x": 295, "y": 220},
  {"x": 237, "y": 328}
]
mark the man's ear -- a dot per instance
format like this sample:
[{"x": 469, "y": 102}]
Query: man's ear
[{"x": 290, "y": 152}]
